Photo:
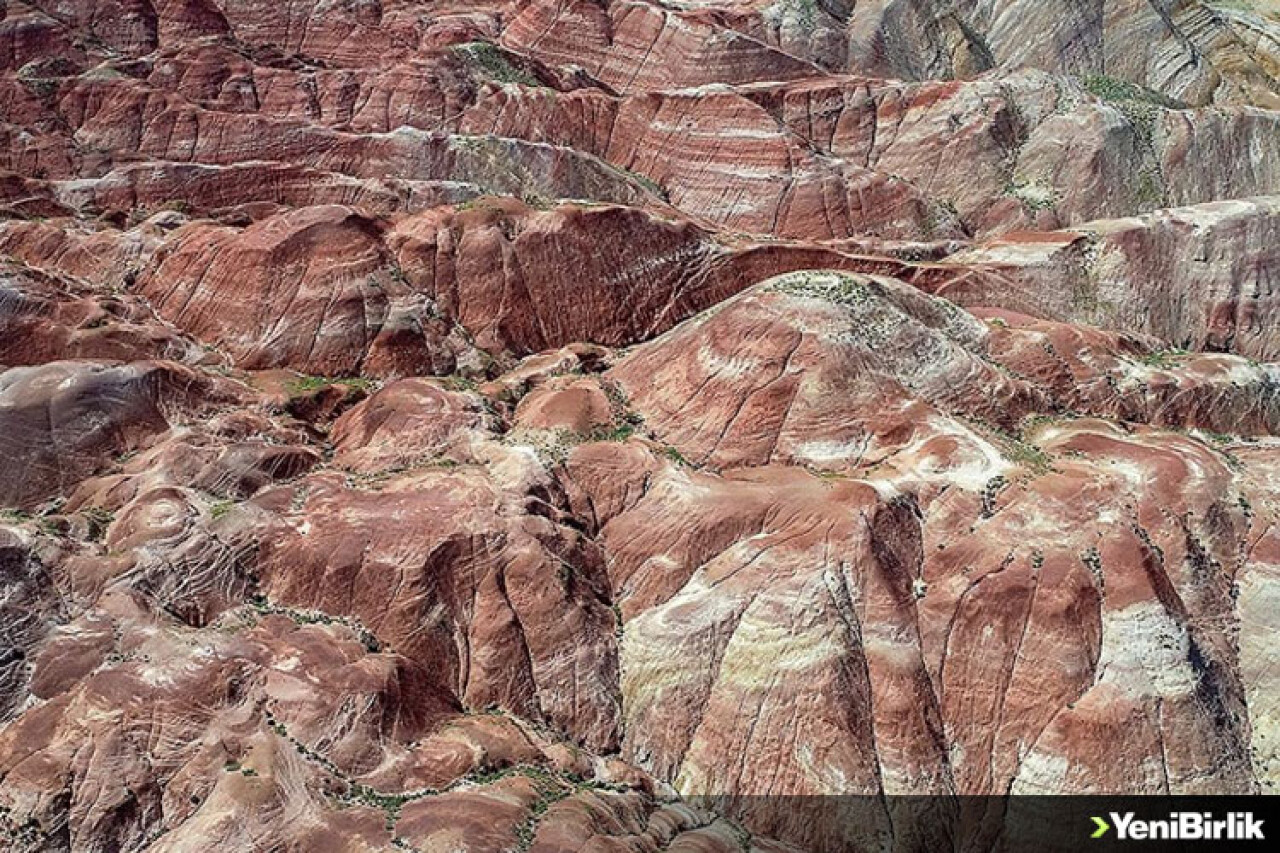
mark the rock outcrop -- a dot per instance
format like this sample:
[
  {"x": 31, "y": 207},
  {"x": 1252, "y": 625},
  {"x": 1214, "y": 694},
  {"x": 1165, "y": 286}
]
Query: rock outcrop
[
  {"x": 1198, "y": 278},
  {"x": 632, "y": 426}
]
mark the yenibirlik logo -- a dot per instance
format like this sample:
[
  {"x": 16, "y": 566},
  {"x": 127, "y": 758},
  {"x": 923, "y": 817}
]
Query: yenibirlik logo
[{"x": 1182, "y": 826}]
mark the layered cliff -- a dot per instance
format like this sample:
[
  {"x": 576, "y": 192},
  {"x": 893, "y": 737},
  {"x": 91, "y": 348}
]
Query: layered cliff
[{"x": 631, "y": 425}]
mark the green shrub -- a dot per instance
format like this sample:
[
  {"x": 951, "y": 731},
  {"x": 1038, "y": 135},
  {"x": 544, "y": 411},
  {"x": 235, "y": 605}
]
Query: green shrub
[
  {"x": 308, "y": 384},
  {"x": 491, "y": 63},
  {"x": 674, "y": 455},
  {"x": 1114, "y": 90}
]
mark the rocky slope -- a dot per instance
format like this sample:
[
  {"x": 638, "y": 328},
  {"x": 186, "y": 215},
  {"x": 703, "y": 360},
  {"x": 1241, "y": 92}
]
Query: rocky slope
[{"x": 628, "y": 425}]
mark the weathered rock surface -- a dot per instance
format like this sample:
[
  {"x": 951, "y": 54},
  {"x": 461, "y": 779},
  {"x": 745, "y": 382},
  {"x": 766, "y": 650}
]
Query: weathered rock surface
[
  {"x": 771, "y": 580},
  {"x": 1199, "y": 52},
  {"x": 635, "y": 102},
  {"x": 44, "y": 318},
  {"x": 61, "y": 419},
  {"x": 834, "y": 157},
  {"x": 335, "y": 291},
  {"x": 632, "y": 426},
  {"x": 1199, "y": 278}
]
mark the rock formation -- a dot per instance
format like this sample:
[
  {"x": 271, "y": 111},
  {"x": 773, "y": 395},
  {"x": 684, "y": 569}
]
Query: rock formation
[{"x": 628, "y": 425}]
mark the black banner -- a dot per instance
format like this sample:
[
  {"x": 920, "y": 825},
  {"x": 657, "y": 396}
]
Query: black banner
[{"x": 1095, "y": 824}]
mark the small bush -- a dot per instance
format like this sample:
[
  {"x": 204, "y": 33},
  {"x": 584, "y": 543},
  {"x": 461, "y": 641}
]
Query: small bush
[
  {"x": 492, "y": 64},
  {"x": 619, "y": 433},
  {"x": 309, "y": 384},
  {"x": 1115, "y": 90},
  {"x": 674, "y": 455},
  {"x": 1164, "y": 359}
]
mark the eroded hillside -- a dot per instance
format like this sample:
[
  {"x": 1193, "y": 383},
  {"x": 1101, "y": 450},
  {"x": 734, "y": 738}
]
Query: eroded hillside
[{"x": 623, "y": 425}]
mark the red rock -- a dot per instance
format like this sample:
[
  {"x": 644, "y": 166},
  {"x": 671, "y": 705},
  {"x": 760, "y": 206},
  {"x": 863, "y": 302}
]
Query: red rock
[
  {"x": 457, "y": 595},
  {"x": 638, "y": 45},
  {"x": 1134, "y": 378},
  {"x": 630, "y": 426},
  {"x": 63, "y": 420},
  {"x": 523, "y": 280},
  {"x": 44, "y": 318},
  {"x": 402, "y": 288},
  {"x": 578, "y": 405},
  {"x": 261, "y": 743},
  {"x": 323, "y": 276},
  {"x": 92, "y": 252},
  {"x": 1195, "y": 277},
  {"x": 800, "y": 370},
  {"x": 839, "y": 157},
  {"x": 406, "y": 423},
  {"x": 29, "y": 608}
]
